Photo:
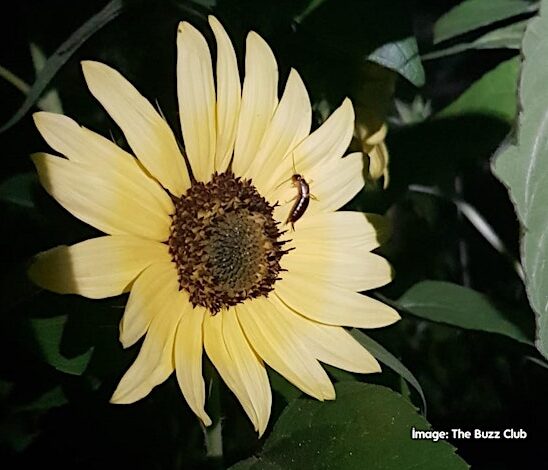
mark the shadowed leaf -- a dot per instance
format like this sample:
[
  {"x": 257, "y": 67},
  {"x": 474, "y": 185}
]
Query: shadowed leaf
[
  {"x": 367, "y": 426},
  {"x": 523, "y": 168}
]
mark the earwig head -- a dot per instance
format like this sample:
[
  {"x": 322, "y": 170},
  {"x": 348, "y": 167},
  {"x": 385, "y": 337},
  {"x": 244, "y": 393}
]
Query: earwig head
[{"x": 296, "y": 179}]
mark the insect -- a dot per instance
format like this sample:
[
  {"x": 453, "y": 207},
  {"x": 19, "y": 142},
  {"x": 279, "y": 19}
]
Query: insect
[{"x": 302, "y": 198}]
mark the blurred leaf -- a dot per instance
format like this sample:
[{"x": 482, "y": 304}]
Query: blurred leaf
[
  {"x": 494, "y": 94},
  {"x": 50, "y": 399},
  {"x": 474, "y": 14},
  {"x": 507, "y": 37},
  {"x": 18, "y": 190},
  {"x": 411, "y": 113},
  {"x": 523, "y": 168},
  {"x": 205, "y": 3},
  {"x": 388, "y": 359},
  {"x": 48, "y": 333},
  {"x": 62, "y": 54},
  {"x": 312, "y": 5},
  {"x": 401, "y": 57},
  {"x": 367, "y": 426},
  {"x": 460, "y": 306},
  {"x": 50, "y": 101}
]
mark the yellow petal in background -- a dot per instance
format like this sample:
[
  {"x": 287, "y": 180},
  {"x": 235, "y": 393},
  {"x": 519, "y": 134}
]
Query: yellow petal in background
[
  {"x": 196, "y": 94},
  {"x": 79, "y": 144},
  {"x": 189, "y": 347},
  {"x": 148, "y": 294},
  {"x": 250, "y": 369},
  {"x": 96, "y": 268},
  {"x": 331, "y": 344},
  {"x": 335, "y": 183},
  {"x": 155, "y": 363},
  {"x": 350, "y": 229},
  {"x": 289, "y": 126},
  {"x": 327, "y": 303},
  {"x": 107, "y": 199},
  {"x": 259, "y": 100},
  {"x": 274, "y": 340},
  {"x": 220, "y": 349},
  {"x": 146, "y": 132},
  {"x": 228, "y": 96},
  {"x": 354, "y": 269},
  {"x": 330, "y": 140},
  {"x": 332, "y": 184}
]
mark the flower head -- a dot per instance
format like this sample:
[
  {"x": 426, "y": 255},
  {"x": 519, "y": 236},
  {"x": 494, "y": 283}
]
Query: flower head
[{"x": 202, "y": 244}]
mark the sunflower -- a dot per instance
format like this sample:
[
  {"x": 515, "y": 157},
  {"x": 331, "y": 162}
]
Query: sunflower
[{"x": 200, "y": 238}]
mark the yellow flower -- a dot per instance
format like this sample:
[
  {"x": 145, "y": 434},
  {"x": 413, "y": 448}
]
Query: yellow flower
[
  {"x": 373, "y": 145},
  {"x": 200, "y": 243}
]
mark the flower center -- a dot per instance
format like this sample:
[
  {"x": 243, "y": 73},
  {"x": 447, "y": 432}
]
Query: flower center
[{"x": 225, "y": 242}]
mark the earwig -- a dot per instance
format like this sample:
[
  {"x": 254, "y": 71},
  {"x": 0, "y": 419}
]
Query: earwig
[{"x": 302, "y": 200}]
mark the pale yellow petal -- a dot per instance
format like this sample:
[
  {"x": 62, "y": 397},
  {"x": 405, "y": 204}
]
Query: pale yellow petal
[
  {"x": 149, "y": 292},
  {"x": 96, "y": 268},
  {"x": 82, "y": 145},
  {"x": 330, "y": 140},
  {"x": 347, "y": 228},
  {"x": 155, "y": 361},
  {"x": 108, "y": 199},
  {"x": 378, "y": 163},
  {"x": 229, "y": 92},
  {"x": 196, "y": 93},
  {"x": 332, "y": 184},
  {"x": 249, "y": 369},
  {"x": 259, "y": 100},
  {"x": 189, "y": 347},
  {"x": 282, "y": 349},
  {"x": 289, "y": 126},
  {"x": 217, "y": 348},
  {"x": 146, "y": 132},
  {"x": 352, "y": 268},
  {"x": 331, "y": 344},
  {"x": 377, "y": 137},
  {"x": 330, "y": 304}
]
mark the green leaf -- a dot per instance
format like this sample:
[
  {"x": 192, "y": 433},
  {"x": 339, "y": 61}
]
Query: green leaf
[
  {"x": 62, "y": 54},
  {"x": 474, "y": 14},
  {"x": 367, "y": 426},
  {"x": 494, "y": 94},
  {"x": 51, "y": 399},
  {"x": 18, "y": 190},
  {"x": 523, "y": 168},
  {"x": 507, "y": 37},
  {"x": 389, "y": 360},
  {"x": 401, "y": 57},
  {"x": 456, "y": 305},
  {"x": 50, "y": 101},
  {"x": 48, "y": 333}
]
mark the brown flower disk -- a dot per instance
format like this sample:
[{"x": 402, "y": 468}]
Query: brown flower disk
[{"x": 225, "y": 242}]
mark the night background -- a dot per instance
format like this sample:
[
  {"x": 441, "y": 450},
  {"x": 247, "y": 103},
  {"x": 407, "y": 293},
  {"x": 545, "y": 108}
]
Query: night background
[{"x": 449, "y": 98}]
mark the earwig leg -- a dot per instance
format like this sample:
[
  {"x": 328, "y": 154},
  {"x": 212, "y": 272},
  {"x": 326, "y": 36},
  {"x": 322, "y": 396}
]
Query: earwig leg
[
  {"x": 292, "y": 199},
  {"x": 313, "y": 197}
]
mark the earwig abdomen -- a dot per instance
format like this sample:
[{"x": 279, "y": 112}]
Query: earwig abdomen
[{"x": 303, "y": 199}]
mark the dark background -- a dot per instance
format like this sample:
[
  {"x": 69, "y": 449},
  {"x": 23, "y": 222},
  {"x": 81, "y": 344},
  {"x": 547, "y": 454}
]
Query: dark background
[{"x": 471, "y": 379}]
